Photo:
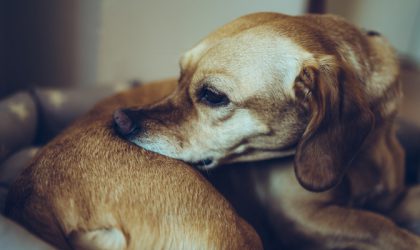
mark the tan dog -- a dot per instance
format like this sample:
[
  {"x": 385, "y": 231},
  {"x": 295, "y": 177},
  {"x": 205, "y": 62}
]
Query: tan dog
[
  {"x": 88, "y": 189},
  {"x": 269, "y": 85}
]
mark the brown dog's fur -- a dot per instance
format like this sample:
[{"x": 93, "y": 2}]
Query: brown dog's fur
[
  {"x": 88, "y": 189},
  {"x": 314, "y": 86}
]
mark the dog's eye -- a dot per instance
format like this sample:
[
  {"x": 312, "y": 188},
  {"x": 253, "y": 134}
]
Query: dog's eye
[{"x": 213, "y": 98}]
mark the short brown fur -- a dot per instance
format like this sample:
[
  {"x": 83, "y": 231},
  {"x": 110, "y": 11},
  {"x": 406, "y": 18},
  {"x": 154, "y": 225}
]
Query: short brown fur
[{"x": 88, "y": 182}]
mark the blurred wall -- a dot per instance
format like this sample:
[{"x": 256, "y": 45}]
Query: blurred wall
[
  {"x": 88, "y": 23},
  {"x": 2, "y": 47},
  {"x": 145, "y": 39},
  {"x": 79, "y": 42},
  {"x": 416, "y": 40},
  {"x": 399, "y": 21},
  {"x": 38, "y": 44},
  {"x": 61, "y": 42}
]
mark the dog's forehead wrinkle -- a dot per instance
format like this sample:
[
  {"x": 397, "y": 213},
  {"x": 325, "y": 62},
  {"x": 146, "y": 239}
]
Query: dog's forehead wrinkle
[
  {"x": 233, "y": 29},
  {"x": 219, "y": 81},
  {"x": 255, "y": 62}
]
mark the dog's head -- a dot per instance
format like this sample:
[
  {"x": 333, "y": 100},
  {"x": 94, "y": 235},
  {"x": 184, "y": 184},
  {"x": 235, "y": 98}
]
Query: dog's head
[{"x": 249, "y": 92}]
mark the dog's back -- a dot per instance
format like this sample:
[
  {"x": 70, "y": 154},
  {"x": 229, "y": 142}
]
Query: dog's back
[{"x": 88, "y": 189}]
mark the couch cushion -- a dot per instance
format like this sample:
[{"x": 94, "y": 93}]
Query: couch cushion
[
  {"x": 18, "y": 122},
  {"x": 3, "y": 194},
  {"x": 13, "y": 236},
  {"x": 59, "y": 107},
  {"x": 13, "y": 166}
]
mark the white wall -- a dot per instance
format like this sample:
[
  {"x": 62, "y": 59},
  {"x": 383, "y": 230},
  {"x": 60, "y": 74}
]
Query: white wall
[
  {"x": 396, "y": 19},
  {"x": 88, "y": 26},
  {"x": 415, "y": 43},
  {"x": 144, "y": 39}
]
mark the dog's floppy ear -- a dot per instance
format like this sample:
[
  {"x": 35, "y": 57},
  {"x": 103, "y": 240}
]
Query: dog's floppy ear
[{"x": 339, "y": 121}]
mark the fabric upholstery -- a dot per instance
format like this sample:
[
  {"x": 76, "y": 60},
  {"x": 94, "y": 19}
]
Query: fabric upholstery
[{"x": 18, "y": 122}]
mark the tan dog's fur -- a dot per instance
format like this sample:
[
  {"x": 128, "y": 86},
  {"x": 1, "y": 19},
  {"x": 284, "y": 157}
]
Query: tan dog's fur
[
  {"x": 88, "y": 189},
  {"x": 314, "y": 86}
]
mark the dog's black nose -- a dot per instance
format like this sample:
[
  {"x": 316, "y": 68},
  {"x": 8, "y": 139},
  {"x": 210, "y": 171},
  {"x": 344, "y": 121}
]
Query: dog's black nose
[{"x": 123, "y": 124}]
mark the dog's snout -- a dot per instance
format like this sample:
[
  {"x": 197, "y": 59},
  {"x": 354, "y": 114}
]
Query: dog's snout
[{"x": 124, "y": 124}]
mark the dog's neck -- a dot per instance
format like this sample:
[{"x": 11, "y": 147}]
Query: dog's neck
[{"x": 378, "y": 169}]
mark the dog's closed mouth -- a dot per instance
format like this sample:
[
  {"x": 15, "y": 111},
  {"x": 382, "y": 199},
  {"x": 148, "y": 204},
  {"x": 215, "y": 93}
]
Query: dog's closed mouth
[{"x": 203, "y": 164}]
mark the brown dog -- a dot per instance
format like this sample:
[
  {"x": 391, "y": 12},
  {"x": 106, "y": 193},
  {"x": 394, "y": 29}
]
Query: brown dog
[
  {"x": 88, "y": 189},
  {"x": 269, "y": 85}
]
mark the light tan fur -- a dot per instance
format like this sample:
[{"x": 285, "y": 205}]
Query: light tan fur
[
  {"x": 314, "y": 86},
  {"x": 89, "y": 189}
]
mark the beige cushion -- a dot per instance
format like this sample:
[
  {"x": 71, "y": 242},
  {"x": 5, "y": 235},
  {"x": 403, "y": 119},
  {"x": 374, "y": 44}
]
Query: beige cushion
[
  {"x": 18, "y": 122},
  {"x": 14, "y": 237},
  {"x": 11, "y": 168},
  {"x": 59, "y": 107}
]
